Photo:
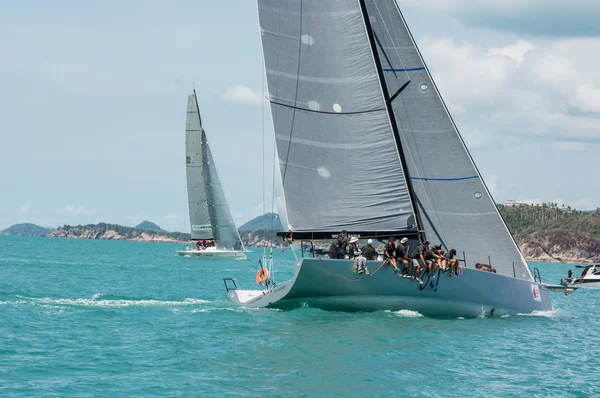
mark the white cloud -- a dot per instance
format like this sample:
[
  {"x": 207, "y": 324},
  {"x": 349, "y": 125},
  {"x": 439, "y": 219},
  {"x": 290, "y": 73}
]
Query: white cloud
[
  {"x": 535, "y": 17},
  {"x": 491, "y": 181},
  {"x": 547, "y": 89},
  {"x": 456, "y": 109},
  {"x": 516, "y": 51},
  {"x": 76, "y": 210},
  {"x": 26, "y": 208},
  {"x": 241, "y": 94}
]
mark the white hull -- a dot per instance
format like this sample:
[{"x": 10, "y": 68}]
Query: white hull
[
  {"x": 589, "y": 279},
  {"x": 213, "y": 254},
  {"x": 584, "y": 284},
  {"x": 333, "y": 285}
]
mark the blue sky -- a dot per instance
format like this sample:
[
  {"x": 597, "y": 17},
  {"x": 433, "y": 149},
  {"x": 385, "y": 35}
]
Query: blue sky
[{"x": 93, "y": 96}]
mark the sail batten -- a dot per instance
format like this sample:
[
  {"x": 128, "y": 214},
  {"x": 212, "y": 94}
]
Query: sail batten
[{"x": 210, "y": 217}]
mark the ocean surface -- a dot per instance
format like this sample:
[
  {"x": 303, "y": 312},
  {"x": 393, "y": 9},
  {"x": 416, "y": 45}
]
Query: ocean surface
[{"x": 81, "y": 318}]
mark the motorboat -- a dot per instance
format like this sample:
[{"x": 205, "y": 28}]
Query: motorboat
[{"x": 589, "y": 278}]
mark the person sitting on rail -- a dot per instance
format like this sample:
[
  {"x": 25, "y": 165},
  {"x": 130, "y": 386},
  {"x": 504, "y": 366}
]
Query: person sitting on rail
[
  {"x": 402, "y": 258},
  {"x": 423, "y": 256},
  {"x": 438, "y": 256},
  {"x": 390, "y": 253},
  {"x": 361, "y": 259},
  {"x": 368, "y": 251},
  {"x": 351, "y": 249},
  {"x": 336, "y": 250},
  {"x": 450, "y": 261}
]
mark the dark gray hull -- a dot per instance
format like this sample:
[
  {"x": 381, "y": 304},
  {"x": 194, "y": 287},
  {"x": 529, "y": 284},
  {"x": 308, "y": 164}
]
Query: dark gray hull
[{"x": 333, "y": 285}]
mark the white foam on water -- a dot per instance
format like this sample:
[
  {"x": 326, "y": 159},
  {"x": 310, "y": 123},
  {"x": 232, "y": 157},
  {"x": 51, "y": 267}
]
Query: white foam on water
[
  {"x": 94, "y": 302},
  {"x": 234, "y": 309},
  {"x": 546, "y": 314},
  {"x": 408, "y": 314},
  {"x": 17, "y": 302}
]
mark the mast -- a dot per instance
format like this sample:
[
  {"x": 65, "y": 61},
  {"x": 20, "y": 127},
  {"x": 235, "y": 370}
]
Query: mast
[
  {"x": 197, "y": 107},
  {"x": 390, "y": 112}
]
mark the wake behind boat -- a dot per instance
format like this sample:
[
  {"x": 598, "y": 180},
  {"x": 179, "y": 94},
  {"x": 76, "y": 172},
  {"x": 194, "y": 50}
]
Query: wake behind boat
[
  {"x": 210, "y": 218},
  {"x": 365, "y": 143}
]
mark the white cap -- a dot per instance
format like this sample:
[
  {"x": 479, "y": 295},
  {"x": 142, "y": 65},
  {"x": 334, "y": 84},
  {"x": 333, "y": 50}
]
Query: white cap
[
  {"x": 404, "y": 240},
  {"x": 370, "y": 241}
]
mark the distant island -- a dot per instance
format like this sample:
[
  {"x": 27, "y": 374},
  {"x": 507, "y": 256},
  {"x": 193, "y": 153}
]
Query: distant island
[
  {"x": 26, "y": 229},
  {"x": 266, "y": 222},
  {"x": 544, "y": 232},
  {"x": 149, "y": 226},
  {"x": 105, "y": 231}
]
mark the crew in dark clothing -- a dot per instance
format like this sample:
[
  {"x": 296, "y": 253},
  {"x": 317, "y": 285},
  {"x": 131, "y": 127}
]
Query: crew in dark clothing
[
  {"x": 402, "y": 259},
  {"x": 336, "y": 250},
  {"x": 485, "y": 267},
  {"x": 369, "y": 251},
  {"x": 390, "y": 253},
  {"x": 438, "y": 256},
  {"x": 570, "y": 273},
  {"x": 423, "y": 257},
  {"x": 450, "y": 261}
]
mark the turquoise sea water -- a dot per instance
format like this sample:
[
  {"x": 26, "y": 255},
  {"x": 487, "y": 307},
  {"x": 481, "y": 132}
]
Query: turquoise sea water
[{"x": 83, "y": 318}]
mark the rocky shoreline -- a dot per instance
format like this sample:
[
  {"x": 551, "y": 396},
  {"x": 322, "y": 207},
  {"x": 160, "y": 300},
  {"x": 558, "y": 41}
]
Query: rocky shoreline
[
  {"x": 104, "y": 231},
  {"x": 557, "y": 245},
  {"x": 112, "y": 235}
]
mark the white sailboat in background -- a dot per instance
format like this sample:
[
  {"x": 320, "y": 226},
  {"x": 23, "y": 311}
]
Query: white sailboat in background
[
  {"x": 210, "y": 217},
  {"x": 366, "y": 144}
]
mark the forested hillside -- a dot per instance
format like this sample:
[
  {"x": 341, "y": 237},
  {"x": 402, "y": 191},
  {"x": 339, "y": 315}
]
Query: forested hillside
[{"x": 527, "y": 219}]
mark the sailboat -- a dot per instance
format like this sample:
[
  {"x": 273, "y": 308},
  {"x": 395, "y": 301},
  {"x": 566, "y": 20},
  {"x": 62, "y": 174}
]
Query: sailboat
[
  {"x": 210, "y": 217},
  {"x": 365, "y": 143}
]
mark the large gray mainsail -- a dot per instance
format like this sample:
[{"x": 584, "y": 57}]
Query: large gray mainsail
[
  {"x": 210, "y": 217},
  {"x": 455, "y": 207},
  {"x": 339, "y": 164}
]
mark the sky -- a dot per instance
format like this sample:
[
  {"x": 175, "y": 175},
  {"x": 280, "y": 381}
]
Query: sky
[{"x": 93, "y": 100}]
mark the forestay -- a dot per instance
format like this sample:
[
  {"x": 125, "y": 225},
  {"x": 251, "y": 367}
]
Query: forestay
[
  {"x": 455, "y": 206},
  {"x": 338, "y": 160},
  {"x": 208, "y": 205}
]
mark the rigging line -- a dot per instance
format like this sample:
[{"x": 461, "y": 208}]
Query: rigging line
[
  {"x": 337, "y": 275},
  {"x": 392, "y": 39},
  {"x": 262, "y": 74},
  {"x": 287, "y": 157},
  {"x": 262, "y": 114}
]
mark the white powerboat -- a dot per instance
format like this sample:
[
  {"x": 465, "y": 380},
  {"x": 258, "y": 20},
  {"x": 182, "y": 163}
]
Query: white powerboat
[
  {"x": 210, "y": 217},
  {"x": 590, "y": 278}
]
